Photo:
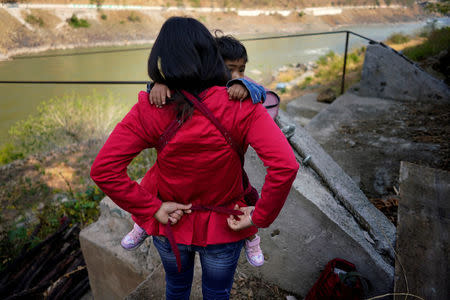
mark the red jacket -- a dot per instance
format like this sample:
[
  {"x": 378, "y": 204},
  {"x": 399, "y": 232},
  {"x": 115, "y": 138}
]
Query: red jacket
[{"x": 197, "y": 166}]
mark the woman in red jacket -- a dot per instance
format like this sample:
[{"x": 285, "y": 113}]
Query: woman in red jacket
[{"x": 197, "y": 179}]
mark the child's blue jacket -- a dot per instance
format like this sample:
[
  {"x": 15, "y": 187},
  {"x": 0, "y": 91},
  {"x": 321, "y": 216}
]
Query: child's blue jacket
[{"x": 256, "y": 91}]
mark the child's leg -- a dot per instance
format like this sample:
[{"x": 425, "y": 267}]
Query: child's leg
[
  {"x": 134, "y": 238},
  {"x": 253, "y": 251}
]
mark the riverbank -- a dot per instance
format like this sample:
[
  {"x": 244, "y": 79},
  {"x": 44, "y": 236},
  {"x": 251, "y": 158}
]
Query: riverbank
[{"x": 26, "y": 29}]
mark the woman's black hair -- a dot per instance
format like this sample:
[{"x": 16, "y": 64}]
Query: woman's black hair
[
  {"x": 229, "y": 47},
  {"x": 185, "y": 56}
]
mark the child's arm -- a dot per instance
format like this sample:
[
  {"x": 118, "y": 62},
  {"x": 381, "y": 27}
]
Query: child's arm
[
  {"x": 158, "y": 94},
  {"x": 256, "y": 91},
  {"x": 237, "y": 91}
]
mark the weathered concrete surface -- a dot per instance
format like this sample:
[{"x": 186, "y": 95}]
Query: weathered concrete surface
[
  {"x": 368, "y": 137},
  {"x": 113, "y": 271},
  {"x": 381, "y": 230},
  {"x": 312, "y": 229},
  {"x": 390, "y": 76},
  {"x": 304, "y": 108},
  {"x": 423, "y": 232}
]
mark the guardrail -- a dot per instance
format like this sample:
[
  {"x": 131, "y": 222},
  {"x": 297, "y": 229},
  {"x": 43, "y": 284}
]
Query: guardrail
[{"x": 344, "y": 67}]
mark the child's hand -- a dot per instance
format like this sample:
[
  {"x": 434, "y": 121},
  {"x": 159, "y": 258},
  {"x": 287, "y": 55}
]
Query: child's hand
[
  {"x": 158, "y": 95},
  {"x": 237, "y": 92}
]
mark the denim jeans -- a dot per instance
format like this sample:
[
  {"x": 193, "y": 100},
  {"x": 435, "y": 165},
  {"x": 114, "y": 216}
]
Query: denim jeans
[{"x": 218, "y": 262}]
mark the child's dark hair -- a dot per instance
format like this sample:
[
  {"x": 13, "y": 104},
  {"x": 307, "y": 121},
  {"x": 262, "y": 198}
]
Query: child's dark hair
[
  {"x": 230, "y": 48},
  {"x": 185, "y": 56}
]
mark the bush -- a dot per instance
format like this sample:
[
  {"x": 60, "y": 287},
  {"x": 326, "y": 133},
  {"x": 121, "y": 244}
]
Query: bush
[
  {"x": 398, "y": 38},
  {"x": 9, "y": 153},
  {"x": 33, "y": 20},
  {"x": 133, "y": 18},
  {"x": 437, "y": 41},
  {"x": 66, "y": 120},
  {"x": 104, "y": 17},
  {"x": 78, "y": 23}
]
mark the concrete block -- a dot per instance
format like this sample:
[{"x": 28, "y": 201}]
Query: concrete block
[
  {"x": 368, "y": 137},
  {"x": 113, "y": 271},
  {"x": 389, "y": 75},
  {"x": 423, "y": 241},
  {"x": 304, "y": 108}
]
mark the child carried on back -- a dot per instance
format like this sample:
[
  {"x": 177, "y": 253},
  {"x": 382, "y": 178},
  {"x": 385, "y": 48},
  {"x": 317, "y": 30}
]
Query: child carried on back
[{"x": 239, "y": 88}]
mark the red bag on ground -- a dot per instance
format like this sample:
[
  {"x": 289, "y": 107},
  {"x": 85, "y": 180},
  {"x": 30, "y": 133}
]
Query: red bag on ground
[{"x": 338, "y": 281}]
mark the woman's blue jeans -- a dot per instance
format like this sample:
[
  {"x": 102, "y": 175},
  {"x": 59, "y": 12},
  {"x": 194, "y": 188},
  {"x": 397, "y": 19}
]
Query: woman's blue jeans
[{"x": 218, "y": 262}]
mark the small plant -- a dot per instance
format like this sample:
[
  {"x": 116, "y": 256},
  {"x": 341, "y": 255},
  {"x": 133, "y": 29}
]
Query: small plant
[
  {"x": 9, "y": 153},
  {"x": 398, "y": 38},
  {"x": 78, "y": 23},
  {"x": 133, "y": 18},
  {"x": 104, "y": 17},
  {"x": 437, "y": 41},
  {"x": 98, "y": 3},
  {"x": 306, "y": 82},
  {"x": 301, "y": 14},
  {"x": 195, "y": 3},
  {"x": 33, "y": 20}
]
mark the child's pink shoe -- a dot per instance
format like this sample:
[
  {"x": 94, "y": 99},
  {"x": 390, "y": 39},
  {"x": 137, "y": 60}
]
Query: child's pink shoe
[
  {"x": 253, "y": 252},
  {"x": 134, "y": 238}
]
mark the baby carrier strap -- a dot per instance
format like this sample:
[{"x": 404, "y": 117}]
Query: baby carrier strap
[{"x": 250, "y": 194}]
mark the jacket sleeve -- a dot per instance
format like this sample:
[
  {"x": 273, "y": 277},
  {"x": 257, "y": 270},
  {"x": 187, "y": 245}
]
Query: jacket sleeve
[
  {"x": 277, "y": 155},
  {"x": 109, "y": 170},
  {"x": 256, "y": 91}
]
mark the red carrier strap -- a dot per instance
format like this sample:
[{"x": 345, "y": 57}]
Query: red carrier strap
[
  {"x": 171, "y": 237},
  {"x": 249, "y": 193}
]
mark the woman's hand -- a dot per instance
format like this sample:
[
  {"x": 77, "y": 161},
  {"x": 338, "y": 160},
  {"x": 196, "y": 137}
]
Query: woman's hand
[
  {"x": 171, "y": 211},
  {"x": 158, "y": 94},
  {"x": 242, "y": 221}
]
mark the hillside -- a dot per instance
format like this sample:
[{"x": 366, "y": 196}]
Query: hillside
[{"x": 37, "y": 28}]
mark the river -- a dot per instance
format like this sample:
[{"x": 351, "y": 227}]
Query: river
[{"x": 265, "y": 56}]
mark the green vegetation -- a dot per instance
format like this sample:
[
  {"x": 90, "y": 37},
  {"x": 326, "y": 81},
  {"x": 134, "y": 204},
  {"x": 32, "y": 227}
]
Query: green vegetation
[
  {"x": 441, "y": 6},
  {"x": 398, "y": 38},
  {"x": 67, "y": 120},
  {"x": 9, "y": 153},
  {"x": 195, "y": 3},
  {"x": 81, "y": 208},
  {"x": 98, "y": 3},
  {"x": 78, "y": 23},
  {"x": 328, "y": 73},
  {"x": 33, "y": 20},
  {"x": 104, "y": 17},
  {"x": 437, "y": 41},
  {"x": 133, "y": 17}
]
